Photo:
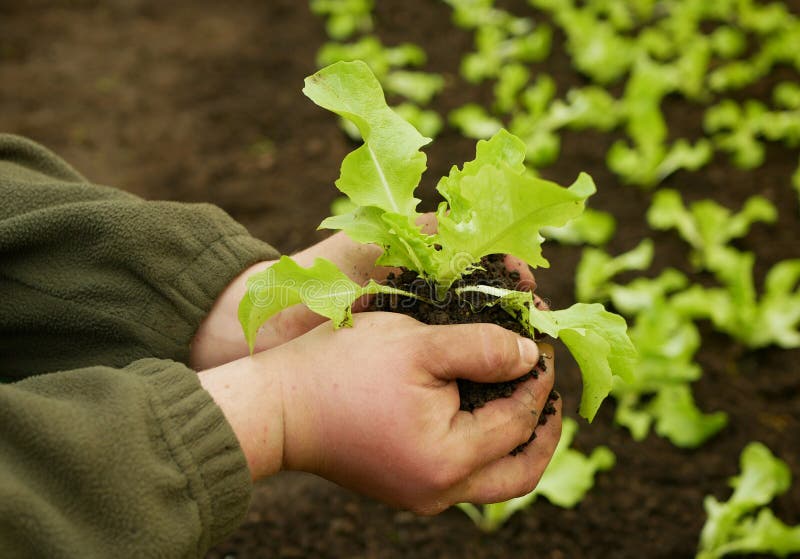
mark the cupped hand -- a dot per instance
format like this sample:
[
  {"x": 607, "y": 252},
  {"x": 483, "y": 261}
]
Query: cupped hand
[
  {"x": 219, "y": 338},
  {"x": 375, "y": 408}
]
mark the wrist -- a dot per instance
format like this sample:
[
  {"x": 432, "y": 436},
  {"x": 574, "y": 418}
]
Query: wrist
[{"x": 251, "y": 398}]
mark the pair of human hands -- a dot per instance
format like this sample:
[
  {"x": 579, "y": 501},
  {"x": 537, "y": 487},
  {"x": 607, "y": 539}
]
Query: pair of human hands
[{"x": 375, "y": 408}]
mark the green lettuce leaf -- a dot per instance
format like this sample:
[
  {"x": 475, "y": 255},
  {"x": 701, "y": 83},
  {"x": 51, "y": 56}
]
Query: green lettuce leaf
[
  {"x": 644, "y": 293},
  {"x": 419, "y": 87},
  {"x": 344, "y": 18},
  {"x": 387, "y": 168},
  {"x": 570, "y": 474},
  {"x": 596, "y": 338},
  {"x": 473, "y": 121},
  {"x": 591, "y": 227},
  {"x": 495, "y": 206},
  {"x": 426, "y": 121},
  {"x": 678, "y": 419},
  {"x": 596, "y": 268},
  {"x": 322, "y": 287},
  {"x": 499, "y": 44},
  {"x": 380, "y": 59},
  {"x": 511, "y": 81},
  {"x": 599, "y": 343}
]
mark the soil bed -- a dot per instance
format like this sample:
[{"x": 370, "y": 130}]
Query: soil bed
[{"x": 200, "y": 101}]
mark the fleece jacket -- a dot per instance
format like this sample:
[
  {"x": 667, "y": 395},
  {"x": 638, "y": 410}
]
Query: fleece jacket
[{"x": 109, "y": 446}]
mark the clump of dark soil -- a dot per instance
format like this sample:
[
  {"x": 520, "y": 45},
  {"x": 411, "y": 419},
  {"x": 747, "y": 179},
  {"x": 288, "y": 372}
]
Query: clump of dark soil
[{"x": 467, "y": 308}]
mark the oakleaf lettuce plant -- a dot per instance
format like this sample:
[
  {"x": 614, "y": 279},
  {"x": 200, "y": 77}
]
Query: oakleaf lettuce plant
[
  {"x": 568, "y": 477},
  {"x": 492, "y": 205},
  {"x": 344, "y": 18},
  {"x": 666, "y": 340},
  {"x": 593, "y": 227},
  {"x": 660, "y": 395},
  {"x": 707, "y": 226},
  {"x": 756, "y": 320},
  {"x": 743, "y": 524}
]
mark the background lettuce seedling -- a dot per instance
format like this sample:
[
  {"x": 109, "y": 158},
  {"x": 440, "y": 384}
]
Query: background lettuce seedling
[
  {"x": 568, "y": 477},
  {"x": 743, "y": 524},
  {"x": 492, "y": 205}
]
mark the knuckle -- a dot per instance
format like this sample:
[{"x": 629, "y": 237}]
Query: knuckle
[{"x": 496, "y": 345}]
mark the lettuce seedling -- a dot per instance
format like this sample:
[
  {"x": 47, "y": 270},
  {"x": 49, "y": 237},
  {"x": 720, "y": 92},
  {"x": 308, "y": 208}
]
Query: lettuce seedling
[
  {"x": 743, "y": 524},
  {"x": 500, "y": 39},
  {"x": 778, "y": 46},
  {"x": 474, "y": 121},
  {"x": 642, "y": 293},
  {"x": 492, "y": 205},
  {"x": 660, "y": 393},
  {"x": 596, "y": 48},
  {"x": 649, "y": 159},
  {"x": 426, "y": 121},
  {"x": 536, "y": 118},
  {"x": 510, "y": 82},
  {"x": 344, "y": 17},
  {"x": 592, "y": 227},
  {"x": 728, "y": 41},
  {"x": 596, "y": 268},
  {"x": 380, "y": 59},
  {"x": 787, "y": 95},
  {"x": 419, "y": 87},
  {"x": 470, "y": 14},
  {"x": 736, "y": 130},
  {"x": 705, "y": 225},
  {"x": 737, "y": 310},
  {"x": 565, "y": 482},
  {"x": 540, "y": 120}
]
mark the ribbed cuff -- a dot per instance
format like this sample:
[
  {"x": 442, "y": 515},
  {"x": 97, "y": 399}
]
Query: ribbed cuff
[
  {"x": 204, "y": 447},
  {"x": 204, "y": 279},
  {"x": 193, "y": 291}
]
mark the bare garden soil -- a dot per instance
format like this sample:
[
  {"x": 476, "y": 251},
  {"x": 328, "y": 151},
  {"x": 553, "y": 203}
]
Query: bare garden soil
[{"x": 200, "y": 102}]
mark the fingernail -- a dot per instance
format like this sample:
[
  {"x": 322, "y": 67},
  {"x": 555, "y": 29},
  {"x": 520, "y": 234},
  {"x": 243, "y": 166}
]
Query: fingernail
[{"x": 529, "y": 351}]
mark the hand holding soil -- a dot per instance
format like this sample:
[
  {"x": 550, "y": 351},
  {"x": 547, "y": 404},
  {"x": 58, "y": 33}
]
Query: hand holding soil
[{"x": 375, "y": 408}]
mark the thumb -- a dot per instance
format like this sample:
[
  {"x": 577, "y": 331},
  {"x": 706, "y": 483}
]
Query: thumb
[{"x": 479, "y": 352}]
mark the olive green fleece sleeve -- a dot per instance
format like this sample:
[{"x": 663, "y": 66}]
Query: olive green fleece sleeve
[
  {"x": 90, "y": 275},
  {"x": 102, "y": 462},
  {"x": 109, "y": 446}
]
